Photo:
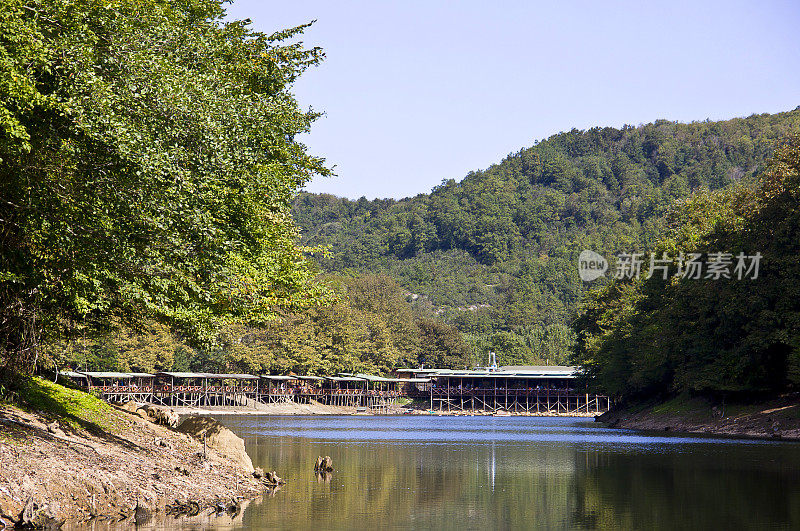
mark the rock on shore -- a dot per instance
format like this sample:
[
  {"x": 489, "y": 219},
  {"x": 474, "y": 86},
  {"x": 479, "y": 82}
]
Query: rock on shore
[
  {"x": 156, "y": 414},
  {"x": 116, "y": 466},
  {"x": 219, "y": 438}
]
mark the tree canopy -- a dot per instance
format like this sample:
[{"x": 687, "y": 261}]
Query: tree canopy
[
  {"x": 148, "y": 161},
  {"x": 495, "y": 254},
  {"x": 708, "y": 335},
  {"x": 369, "y": 327}
]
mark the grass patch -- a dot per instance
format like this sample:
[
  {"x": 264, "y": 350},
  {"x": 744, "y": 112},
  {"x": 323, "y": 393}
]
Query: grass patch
[
  {"x": 685, "y": 406},
  {"x": 75, "y": 408},
  {"x": 679, "y": 405},
  {"x": 703, "y": 409},
  {"x": 639, "y": 406},
  {"x": 403, "y": 401},
  {"x": 421, "y": 403}
]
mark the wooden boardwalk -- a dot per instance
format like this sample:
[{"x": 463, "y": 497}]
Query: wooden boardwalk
[
  {"x": 244, "y": 396},
  {"x": 529, "y": 401},
  {"x": 546, "y": 392}
]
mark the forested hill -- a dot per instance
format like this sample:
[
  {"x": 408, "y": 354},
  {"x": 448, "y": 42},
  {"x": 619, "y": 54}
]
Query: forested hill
[
  {"x": 496, "y": 253},
  {"x": 729, "y": 334}
]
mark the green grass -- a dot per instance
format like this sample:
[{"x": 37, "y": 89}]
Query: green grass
[
  {"x": 699, "y": 408},
  {"x": 679, "y": 405},
  {"x": 75, "y": 408},
  {"x": 420, "y": 403},
  {"x": 685, "y": 406}
]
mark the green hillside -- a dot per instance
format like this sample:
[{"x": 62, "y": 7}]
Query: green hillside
[
  {"x": 495, "y": 254},
  {"x": 736, "y": 334}
]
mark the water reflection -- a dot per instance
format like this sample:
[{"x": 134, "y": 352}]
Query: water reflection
[
  {"x": 162, "y": 522},
  {"x": 514, "y": 472}
]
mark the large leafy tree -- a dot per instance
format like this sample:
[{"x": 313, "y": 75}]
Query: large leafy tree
[{"x": 147, "y": 163}]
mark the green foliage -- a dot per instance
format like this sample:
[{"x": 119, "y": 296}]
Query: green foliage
[
  {"x": 371, "y": 328},
  {"x": 147, "y": 167},
  {"x": 75, "y": 408},
  {"x": 495, "y": 254},
  {"x": 150, "y": 347},
  {"x": 442, "y": 345},
  {"x": 709, "y": 336}
]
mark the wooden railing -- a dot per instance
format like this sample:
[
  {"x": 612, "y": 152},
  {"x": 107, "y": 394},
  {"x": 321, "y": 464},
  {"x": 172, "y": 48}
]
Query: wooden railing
[
  {"x": 166, "y": 388},
  {"x": 454, "y": 391}
]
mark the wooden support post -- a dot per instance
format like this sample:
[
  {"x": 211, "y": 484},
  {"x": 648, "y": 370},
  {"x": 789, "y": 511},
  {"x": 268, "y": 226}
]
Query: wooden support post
[
  {"x": 448, "y": 395},
  {"x": 492, "y": 405},
  {"x": 548, "y": 399}
]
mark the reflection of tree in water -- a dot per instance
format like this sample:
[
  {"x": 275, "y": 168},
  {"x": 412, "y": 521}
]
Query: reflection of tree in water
[
  {"x": 427, "y": 485},
  {"x": 449, "y": 485},
  {"x": 702, "y": 488}
]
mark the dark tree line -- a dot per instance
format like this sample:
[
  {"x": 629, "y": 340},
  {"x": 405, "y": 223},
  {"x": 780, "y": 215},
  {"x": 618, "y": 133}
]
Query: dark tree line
[{"x": 731, "y": 336}]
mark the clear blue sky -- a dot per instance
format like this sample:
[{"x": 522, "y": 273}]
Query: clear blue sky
[{"x": 420, "y": 91}]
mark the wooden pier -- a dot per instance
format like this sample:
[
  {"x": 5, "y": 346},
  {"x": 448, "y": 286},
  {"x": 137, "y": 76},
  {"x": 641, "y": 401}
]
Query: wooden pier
[
  {"x": 532, "y": 390},
  {"x": 521, "y": 390},
  {"x": 186, "y": 389}
]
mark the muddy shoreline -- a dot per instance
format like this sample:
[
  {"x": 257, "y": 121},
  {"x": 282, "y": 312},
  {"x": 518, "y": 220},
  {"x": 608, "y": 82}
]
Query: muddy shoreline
[{"x": 130, "y": 471}]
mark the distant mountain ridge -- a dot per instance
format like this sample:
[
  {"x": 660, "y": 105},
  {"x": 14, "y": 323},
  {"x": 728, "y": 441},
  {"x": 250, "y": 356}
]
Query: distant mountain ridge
[{"x": 508, "y": 236}]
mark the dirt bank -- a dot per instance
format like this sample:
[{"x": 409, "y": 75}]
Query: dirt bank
[
  {"x": 102, "y": 461},
  {"x": 777, "y": 418}
]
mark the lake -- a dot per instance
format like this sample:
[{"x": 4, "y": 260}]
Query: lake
[{"x": 418, "y": 472}]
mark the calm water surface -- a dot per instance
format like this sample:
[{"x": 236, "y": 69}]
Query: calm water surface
[{"x": 514, "y": 473}]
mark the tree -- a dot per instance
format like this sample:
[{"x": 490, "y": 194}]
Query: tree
[
  {"x": 147, "y": 163},
  {"x": 442, "y": 346},
  {"x": 739, "y": 333},
  {"x": 150, "y": 347},
  {"x": 494, "y": 253}
]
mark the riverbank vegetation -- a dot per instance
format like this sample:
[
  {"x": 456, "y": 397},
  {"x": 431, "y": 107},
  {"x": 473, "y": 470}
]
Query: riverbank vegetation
[
  {"x": 724, "y": 337},
  {"x": 72, "y": 407},
  {"x": 776, "y": 417},
  {"x": 645, "y": 337},
  {"x": 369, "y": 327},
  {"x": 147, "y": 165}
]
